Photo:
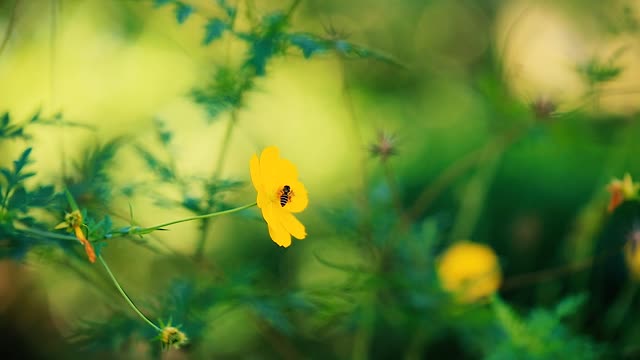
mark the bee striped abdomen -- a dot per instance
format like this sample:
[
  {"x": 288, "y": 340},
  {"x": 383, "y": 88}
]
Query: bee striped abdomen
[{"x": 285, "y": 196}]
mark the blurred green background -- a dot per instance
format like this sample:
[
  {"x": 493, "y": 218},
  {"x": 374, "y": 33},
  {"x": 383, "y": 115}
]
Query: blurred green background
[{"x": 507, "y": 119}]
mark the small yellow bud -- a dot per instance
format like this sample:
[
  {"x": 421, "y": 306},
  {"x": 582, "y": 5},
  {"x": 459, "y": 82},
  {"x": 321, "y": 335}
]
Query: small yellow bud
[
  {"x": 172, "y": 337},
  {"x": 71, "y": 220}
]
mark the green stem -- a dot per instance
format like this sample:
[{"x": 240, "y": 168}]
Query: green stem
[
  {"x": 5, "y": 202},
  {"x": 292, "y": 8},
  {"x": 204, "y": 231},
  {"x": 151, "y": 229},
  {"x": 134, "y": 231},
  {"x": 461, "y": 166},
  {"x": 10, "y": 26},
  {"x": 226, "y": 140},
  {"x": 126, "y": 297},
  {"x": 49, "y": 234}
]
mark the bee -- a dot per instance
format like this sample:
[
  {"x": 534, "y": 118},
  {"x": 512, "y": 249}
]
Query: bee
[{"x": 285, "y": 195}]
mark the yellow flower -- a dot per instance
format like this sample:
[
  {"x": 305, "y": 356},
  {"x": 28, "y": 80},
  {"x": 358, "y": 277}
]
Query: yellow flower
[
  {"x": 171, "y": 336},
  {"x": 470, "y": 271},
  {"x": 279, "y": 195},
  {"x": 621, "y": 190},
  {"x": 73, "y": 222},
  {"x": 632, "y": 254}
]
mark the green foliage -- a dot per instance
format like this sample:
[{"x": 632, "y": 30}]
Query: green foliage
[
  {"x": 383, "y": 297},
  {"x": 93, "y": 336},
  {"x": 182, "y": 11},
  {"x": 225, "y": 92},
  {"x": 15, "y": 197},
  {"x": 214, "y": 30},
  {"x": 8, "y": 130},
  {"x": 541, "y": 335},
  {"x": 596, "y": 71},
  {"x": 90, "y": 181},
  {"x": 267, "y": 38},
  {"x": 16, "y": 176}
]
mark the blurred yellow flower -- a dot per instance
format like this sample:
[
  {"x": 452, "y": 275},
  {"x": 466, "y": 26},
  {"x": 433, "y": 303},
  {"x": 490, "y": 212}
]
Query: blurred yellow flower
[
  {"x": 279, "y": 195},
  {"x": 470, "y": 271},
  {"x": 622, "y": 190},
  {"x": 73, "y": 222},
  {"x": 632, "y": 256}
]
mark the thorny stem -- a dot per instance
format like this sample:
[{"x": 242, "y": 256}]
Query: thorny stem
[{"x": 126, "y": 297}]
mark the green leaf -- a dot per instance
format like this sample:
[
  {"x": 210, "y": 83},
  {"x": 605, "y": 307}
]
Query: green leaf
[
  {"x": 182, "y": 12},
  {"x": 159, "y": 3},
  {"x": 16, "y": 176},
  {"x": 22, "y": 200},
  {"x": 164, "y": 135},
  {"x": 36, "y": 116},
  {"x": 226, "y": 91},
  {"x": 309, "y": 44},
  {"x": 22, "y": 161},
  {"x": 214, "y": 30},
  {"x": 230, "y": 10},
  {"x": 4, "y": 121},
  {"x": 353, "y": 51},
  {"x": 7, "y": 175},
  {"x": 70, "y": 199},
  {"x": 100, "y": 229},
  {"x": 570, "y": 305},
  {"x": 160, "y": 168}
]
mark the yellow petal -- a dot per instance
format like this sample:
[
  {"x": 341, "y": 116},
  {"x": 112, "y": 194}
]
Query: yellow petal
[
  {"x": 300, "y": 198},
  {"x": 285, "y": 173},
  {"x": 263, "y": 200},
  {"x": 268, "y": 168},
  {"x": 254, "y": 167},
  {"x": 267, "y": 213},
  {"x": 62, "y": 225},
  {"x": 293, "y": 225},
  {"x": 279, "y": 235},
  {"x": 276, "y": 172}
]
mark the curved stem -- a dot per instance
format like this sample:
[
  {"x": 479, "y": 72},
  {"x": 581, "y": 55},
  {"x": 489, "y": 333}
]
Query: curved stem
[
  {"x": 48, "y": 234},
  {"x": 134, "y": 231},
  {"x": 10, "y": 27},
  {"x": 125, "y": 296},
  {"x": 147, "y": 230},
  {"x": 292, "y": 8}
]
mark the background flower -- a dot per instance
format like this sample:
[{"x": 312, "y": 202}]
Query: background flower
[{"x": 470, "y": 271}]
